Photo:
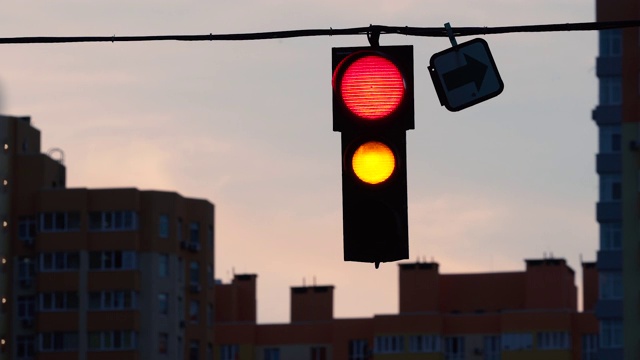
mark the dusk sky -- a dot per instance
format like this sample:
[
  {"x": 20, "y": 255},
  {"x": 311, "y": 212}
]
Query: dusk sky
[{"x": 248, "y": 126}]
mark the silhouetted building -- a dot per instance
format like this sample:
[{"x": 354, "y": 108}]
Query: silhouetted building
[
  {"x": 529, "y": 314},
  {"x": 618, "y": 166},
  {"x": 98, "y": 273}
]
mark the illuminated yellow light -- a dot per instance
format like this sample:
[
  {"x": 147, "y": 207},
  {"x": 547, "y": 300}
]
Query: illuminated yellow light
[
  {"x": 6, "y": 146},
  {"x": 373, "y": 162},
  {"x": 5, "y": 182},
  {"x": 4, "y": 260},
  {"x": 5, "y": 223},
  {"x": 2, "y": 342},
  {"x": 4, "y": 300}
]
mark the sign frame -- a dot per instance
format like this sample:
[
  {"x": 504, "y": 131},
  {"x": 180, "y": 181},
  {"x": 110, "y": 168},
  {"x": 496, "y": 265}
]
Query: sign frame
[{"x": 454, "y": 84}]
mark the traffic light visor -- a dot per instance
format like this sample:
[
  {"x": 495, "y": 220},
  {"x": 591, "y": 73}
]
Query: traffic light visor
[
  {"x": 371, "y": 87},
  {"x": 373, "y": 162}
]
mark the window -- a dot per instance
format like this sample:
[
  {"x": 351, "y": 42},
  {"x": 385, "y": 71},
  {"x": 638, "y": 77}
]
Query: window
[
  {"x": 180, "y": 270},
  {"x": 59, "y": 221},
  {"x": 553, "y": 340},
  {"x": 610, "y": 334},
  {"x": 180, "y": 353},
  {"x": 25, "y": 347},
  {"x": 26, "y": 271},
  {"x": 163, "y": 303},
  {"x": 113, "y": 220},
  {"x": 358, "y": 349},
  {"x": 610, "y": 90},
  {"x": 163, "y": 343},
  {"x": 194, "y": 272},
  {"x": 229, "y": 352},
  {"x": 112, "y": 340},
  {"x": 194, "y": 233},
  {"x": 517, "y": 341},
  {"x": 610, "y": 236},
  {"x": 610, "y": 43},
  {"x": 58, "y": 341},
  {"x": 610, "y": 284},
  {"x": 59, "y": 261},
  {"x": 454, "y": 348},
  {"x": 194, "y": 350},
  {"x": 163, "y": 226},
  {"x": 388, "y": 344},
  {"x": 26, "y": 227},
  {"x": 113, "y": 300},
  {"x": 59, "y": 301},
  {"x": 491, "y": 347},
  {"x": 589, "y": 347},
  {"x": 113, "y": 260},
  {"x": 209, "y": 351},
  {"x": 179, "y": 230},
  {"x": 318, "y": 353},
  {"x": 163, "y": 265},
  {"x": 194, "y": 311},
  {"x": 424, "y": 343},
  {"x": 210, "y": 279},
  {"x": 271, "y": 354},
  {"x": 610, "y": 189},
  {"x": 26, "y": 307},
  {"x": 610, "y": 139},
  {"x": 210, "y": 236},
  {"x": 210, "y": 315}
]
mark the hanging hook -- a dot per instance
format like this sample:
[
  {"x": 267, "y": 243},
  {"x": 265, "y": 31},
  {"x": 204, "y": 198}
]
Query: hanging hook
[
  {"x": 373, "y": 35},
  {"x": 452, "y": 38}
]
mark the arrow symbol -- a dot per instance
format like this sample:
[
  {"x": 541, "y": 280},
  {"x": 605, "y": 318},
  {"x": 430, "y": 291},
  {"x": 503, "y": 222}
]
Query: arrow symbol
[{"x": 474, "y": 71}]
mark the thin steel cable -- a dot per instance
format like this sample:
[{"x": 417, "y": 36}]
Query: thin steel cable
[{"x": 381, "y": 29}]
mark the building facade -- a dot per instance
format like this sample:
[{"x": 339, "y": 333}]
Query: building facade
[
  {"x": 618, "y": 166},
  {"x": 529, "y": 314},
  {"x": 98, "y": 273}
]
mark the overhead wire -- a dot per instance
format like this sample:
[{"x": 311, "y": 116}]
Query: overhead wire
[{"x": 381, "y": 29}]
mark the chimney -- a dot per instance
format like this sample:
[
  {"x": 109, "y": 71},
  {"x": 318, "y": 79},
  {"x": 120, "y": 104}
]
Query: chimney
[
  {"x": 550, "y": 284},
  {"x": 419, "y": 287},
  {"x": 589, "y": 286},
  {"x": 311, "y": 303},
  {"x": 236, "y": 302}
]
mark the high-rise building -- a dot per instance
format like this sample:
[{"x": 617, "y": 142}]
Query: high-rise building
[
  {"x": 529, "y": 314},
  {"x": 618, "y": 165},
  {"x": 98, "y": 273}
]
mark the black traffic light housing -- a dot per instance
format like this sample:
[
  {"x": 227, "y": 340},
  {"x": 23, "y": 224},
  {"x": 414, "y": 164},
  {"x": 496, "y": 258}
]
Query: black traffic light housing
[{"x": 375, "y": 222}]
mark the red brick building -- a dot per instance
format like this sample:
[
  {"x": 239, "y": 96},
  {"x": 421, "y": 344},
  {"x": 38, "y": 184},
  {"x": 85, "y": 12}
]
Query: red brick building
[
  {"x": 531, "y": 314},
  {"x": 97, "y": 274}
]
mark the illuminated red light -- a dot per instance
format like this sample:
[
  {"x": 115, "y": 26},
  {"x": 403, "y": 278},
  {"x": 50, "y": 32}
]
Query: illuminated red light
[{"x": 372, "y": 87}]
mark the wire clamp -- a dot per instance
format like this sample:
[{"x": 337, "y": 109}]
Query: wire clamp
[
  {"x": 373, "y": 35},
  {"x": 452, "y": 38}
]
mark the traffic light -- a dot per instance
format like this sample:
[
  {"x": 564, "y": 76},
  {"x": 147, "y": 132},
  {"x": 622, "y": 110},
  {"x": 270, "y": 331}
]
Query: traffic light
[{"x": 373, "y": 109}]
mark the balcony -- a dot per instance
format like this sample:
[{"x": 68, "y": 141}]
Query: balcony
[
  {"x": 608, "y": 211},
  {"x": 607, "y": 114},
  {"x": 609, "y": 163},
  {"x": 609, "y": 66},
  {"x": 609, "y": 260}
]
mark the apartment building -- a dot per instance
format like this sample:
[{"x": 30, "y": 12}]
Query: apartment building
[
  {"x": 98, "y": 273},
  {"x": 618, "y": 166},
  {"x": 530, "y": 314}
]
